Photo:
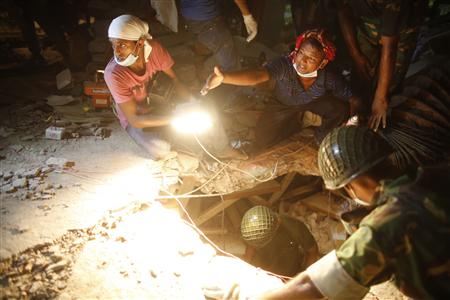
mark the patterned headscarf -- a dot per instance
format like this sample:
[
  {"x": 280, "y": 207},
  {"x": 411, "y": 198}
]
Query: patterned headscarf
[{"x": 319, "y": 35}]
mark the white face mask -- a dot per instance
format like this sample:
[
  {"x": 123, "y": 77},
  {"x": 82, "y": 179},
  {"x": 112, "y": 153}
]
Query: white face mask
[
  {"x": 131, "y": 59},
  {"x": 355, "y": 198},
  {"x": 306, "y": 75}
]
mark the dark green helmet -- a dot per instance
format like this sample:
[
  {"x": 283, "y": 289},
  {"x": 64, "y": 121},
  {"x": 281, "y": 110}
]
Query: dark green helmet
[
  {"x": 259, "y": 225},
  {"x": 347, "y": 152}
]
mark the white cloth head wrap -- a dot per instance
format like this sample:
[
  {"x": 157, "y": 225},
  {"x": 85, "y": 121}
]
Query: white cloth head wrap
[{"x": 131, "y": 28}]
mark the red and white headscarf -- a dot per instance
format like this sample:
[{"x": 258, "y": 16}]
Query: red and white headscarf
[{"x": 319, "y": 35}]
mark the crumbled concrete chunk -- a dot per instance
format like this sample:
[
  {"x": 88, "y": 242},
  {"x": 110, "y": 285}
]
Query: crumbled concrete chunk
[
  {"x": 188, "y": 163},
  {"x": 59, "y": 162},
  {"x": 20, "y": 183},
  {"x": 9, "y": 188},
  {"x": 32, "y": 173}
]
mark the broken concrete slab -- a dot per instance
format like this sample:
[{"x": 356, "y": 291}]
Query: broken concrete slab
[
  {"x": 57, "y": 100},
  {"x": 20, "y": 183},
  {"x": 9, "y": 188},
  {"x": 63, "y": 79}
]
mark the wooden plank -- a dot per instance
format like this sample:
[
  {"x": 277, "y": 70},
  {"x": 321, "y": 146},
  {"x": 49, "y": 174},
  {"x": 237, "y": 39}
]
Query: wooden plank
[
  {"x": 284, "y": 185},
  {"x": 214, "y": 210},
  {"x": 234, "y": 216},
  {"x": 261, "y": 189},
  {"x": 323, "y": 204},
  {"x": 264, "y": 188},
  {"x": 258, "y": 200},
  {"x": 300, "y": 190},
  {"x": 215, "y": 231}
]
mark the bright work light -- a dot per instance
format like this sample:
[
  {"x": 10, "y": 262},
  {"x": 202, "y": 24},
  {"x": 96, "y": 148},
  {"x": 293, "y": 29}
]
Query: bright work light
[{"x": 191, "y": 118}]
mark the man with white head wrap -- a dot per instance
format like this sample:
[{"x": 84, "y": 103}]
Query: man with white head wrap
[{"x": 137, "y": 58}]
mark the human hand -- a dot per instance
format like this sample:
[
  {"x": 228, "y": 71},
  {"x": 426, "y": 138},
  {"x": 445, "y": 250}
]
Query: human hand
[
  {"x": 379, "y": 111},
  {"x": 363, "y": 67},
  {"x": 232, "y": 293},
  {"x": 213, "y": 81},
  {"x": 252, "y": 27}
]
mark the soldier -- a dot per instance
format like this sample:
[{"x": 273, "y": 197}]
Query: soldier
[
  {"x": 381, "y": 46},
  {"x": 277, "y": 243},
  {"x": 406, "y": 236}
]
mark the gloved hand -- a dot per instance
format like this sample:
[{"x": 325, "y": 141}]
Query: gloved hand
[{"x": 251, "y": 26}]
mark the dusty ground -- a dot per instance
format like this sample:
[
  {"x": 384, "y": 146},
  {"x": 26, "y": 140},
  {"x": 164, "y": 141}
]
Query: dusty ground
[{"x": 91, "y": 231}]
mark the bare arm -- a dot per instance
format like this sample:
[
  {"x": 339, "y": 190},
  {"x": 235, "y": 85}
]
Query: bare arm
[
  {"x": 386, "y": 71},
  {"x": 243, "y": 78},
  {"x": 246, "y": 77},
  {"x": 346, "y": 21},
  {"x": 300, "y": 287},
  {"x": 129, "y": 109},
  {"x": 242, "y": 4}
]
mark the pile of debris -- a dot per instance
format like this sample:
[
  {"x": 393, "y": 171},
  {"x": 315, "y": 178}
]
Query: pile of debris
[{"x": 30, "y": 183}]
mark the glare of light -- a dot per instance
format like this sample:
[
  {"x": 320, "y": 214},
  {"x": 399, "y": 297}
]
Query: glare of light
[
  {"x": 159, "y": 242},
  {"x": 191, "y": 118},
  {"x": 136, "y": 183}
]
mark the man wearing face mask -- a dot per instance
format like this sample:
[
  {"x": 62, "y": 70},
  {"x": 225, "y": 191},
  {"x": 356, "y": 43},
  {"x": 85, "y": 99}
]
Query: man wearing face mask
[
  {"x": 405, "y": 236},
  {"x": 301, "y": 82},
  {"x": 137, "y": 58}
]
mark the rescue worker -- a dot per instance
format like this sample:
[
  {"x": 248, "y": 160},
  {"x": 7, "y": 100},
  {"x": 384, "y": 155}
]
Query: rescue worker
[
  {"x": 406, "y": 235},
  {"x": 277, "y": 243},
  {"x": 137, "y": 58},
  {"x": 203, "y": 18},
  {"x": 302, "y": 82},
  {"x": 381, "y": 36}
]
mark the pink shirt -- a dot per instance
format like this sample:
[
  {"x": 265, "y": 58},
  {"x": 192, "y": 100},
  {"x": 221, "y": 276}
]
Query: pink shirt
[{"x": 125, "y": 85}]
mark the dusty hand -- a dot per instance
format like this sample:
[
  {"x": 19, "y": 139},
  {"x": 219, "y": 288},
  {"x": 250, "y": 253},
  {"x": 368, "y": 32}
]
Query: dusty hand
[
  {"x": 251, "y": 26},
  {"x": 363, "y": 67},
  {"x": 379, "y": 110},
  {"x": 213, "y": 81},
  {"x": 233, "y": 293}
]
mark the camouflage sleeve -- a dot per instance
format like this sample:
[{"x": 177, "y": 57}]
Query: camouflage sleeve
[
  {"x": 391, "y": 17},
  {"x": 363, "y": 259}
]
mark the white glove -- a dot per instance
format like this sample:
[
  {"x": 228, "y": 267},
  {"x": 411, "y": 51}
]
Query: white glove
[{"x": 251, "y": 26}]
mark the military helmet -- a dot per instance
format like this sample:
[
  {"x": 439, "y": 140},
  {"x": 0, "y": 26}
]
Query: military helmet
[
  {"x": 347, "y": 152},
  {"x": 259, "y": 225}
]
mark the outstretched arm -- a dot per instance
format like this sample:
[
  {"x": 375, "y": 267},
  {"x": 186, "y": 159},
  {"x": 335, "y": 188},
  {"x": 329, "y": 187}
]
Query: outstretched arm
[
  {"x": 300, "y": 287},
  {"x": 243, "y": 78}
]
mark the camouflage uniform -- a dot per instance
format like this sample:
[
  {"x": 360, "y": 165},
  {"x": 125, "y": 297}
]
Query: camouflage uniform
[
  {"x": 286, "y": 253},
  {"x": 388, "y": 18},
  {"x": 406, "y": 236}
]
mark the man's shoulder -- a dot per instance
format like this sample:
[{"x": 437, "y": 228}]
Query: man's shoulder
[
  {"x": 156, "y": 45},
  {"x": 112, "y": 67},
  {"x": 281, "y": 64}
]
